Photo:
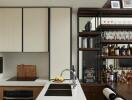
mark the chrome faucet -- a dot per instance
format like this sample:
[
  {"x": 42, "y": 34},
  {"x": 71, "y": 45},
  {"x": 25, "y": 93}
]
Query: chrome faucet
[{"x": 74, "y": 76}]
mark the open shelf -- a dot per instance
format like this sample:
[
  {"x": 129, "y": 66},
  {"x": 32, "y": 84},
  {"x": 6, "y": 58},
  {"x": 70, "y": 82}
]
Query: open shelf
[
  {"x": 97, "y": 16},
  {"x": 107, "y": 27},
  {"x": 89, "y": 49},
  {"x": 86, "y": 34},
  {"x": 86, "y": 12},
  {"x": 116, "y": 57},
  {"x": 116, "y": 41}
]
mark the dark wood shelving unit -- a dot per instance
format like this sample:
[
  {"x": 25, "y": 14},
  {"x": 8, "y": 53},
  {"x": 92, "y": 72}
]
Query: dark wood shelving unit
[
  {"x": 116, "y": 57},
  {"x": 116, "y": 41},
  {"x": 98, "y": 14},
  {"x": 86, "y": 34},
  {"x": 89, "y": 49},
  {"x": 107, "y": 27}
]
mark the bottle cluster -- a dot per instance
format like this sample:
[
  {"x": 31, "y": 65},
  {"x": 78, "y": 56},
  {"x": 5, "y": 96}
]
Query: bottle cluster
[{"x": 115, "y": 50}]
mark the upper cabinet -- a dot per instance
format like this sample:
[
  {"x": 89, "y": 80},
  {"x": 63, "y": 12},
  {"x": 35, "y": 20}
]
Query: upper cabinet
[
  {"x": 35, "y": 29},
  {"x": 10, "y": 29}
]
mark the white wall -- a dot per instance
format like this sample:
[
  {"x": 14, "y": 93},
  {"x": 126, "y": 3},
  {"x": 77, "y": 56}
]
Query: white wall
[
  {"x": 75, "y": 4},
  {"x": 11, "y": 60}
]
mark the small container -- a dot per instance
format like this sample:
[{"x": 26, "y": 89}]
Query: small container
[{"x": 91, "y": 43}]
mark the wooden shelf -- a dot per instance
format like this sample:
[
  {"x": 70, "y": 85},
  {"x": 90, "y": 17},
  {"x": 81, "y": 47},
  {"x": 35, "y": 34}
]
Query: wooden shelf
[
  {"x": 86, "y": 34},
  {"x": 116, "y": 41},
  {"x": 108, "y": 12},
  {"x": 89, "y": 49},
  {"x": 116, "y": 57},
  {"x": 107, "y": 27}
]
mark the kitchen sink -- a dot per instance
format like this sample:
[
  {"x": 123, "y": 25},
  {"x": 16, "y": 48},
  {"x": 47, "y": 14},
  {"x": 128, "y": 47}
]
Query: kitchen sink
[
  {"x": 58, "y": 93},
  {"x": 59, "y": 90},
  {"x": 59, "y": 86}
]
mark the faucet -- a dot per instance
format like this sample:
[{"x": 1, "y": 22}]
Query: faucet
[{"x": 74, "y": 77}]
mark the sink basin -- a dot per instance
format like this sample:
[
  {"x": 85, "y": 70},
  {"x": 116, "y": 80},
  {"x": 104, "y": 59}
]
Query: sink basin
[
  {"x": 59, "y": 90},
  {"x": 59, "y": 86},
  {"x": 58, "y": 93}
]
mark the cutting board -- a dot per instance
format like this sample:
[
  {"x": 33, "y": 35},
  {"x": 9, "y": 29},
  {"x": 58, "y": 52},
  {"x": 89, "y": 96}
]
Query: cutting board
[{"x": 26, "y": 71}]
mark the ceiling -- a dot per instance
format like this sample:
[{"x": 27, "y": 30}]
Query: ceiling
[{"x": 71, "y": 3}]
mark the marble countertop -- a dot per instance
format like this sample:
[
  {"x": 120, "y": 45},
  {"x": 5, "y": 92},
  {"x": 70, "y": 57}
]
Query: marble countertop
[{"x": 77, "y": 93}]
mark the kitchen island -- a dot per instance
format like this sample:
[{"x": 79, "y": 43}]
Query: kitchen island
[{"x": 77, "y": 92}]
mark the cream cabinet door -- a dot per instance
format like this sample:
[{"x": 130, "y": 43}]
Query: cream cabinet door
[
  {"x": 35, "y": 29},
  {"x": 60, "y": 41},
  {"x": 10, "y": 29}
]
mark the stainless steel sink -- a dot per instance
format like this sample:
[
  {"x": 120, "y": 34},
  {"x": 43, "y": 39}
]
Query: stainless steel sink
[{"x": 59, "y": 90}]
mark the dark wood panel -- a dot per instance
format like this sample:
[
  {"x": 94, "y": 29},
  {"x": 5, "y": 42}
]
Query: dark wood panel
[
  {"x": 86, "y": 12},
  {"x": 106, "y": 27},
  {"x": 116, "y": 41},
  {"x": 117, "y": 57},
  {"x": 122, "y": 89},
  {"x": 86, "y": 34},
  {"x": 89, "y": 49},
  {"x": 93, "y": 91}
]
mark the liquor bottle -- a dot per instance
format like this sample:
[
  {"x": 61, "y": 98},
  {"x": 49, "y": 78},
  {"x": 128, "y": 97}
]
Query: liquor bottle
[
  {"x": 109, "y": 49},
  {"x": 104, "y": 74},
  {"x": 128, "y": 50},
  {"x": 105, "y": 50},
  {"x": 117, "y": 51},
  {"x": 112, "y": 52},
  {"x": 111, "y": 73},
  {"x": 123, "y": 51}
]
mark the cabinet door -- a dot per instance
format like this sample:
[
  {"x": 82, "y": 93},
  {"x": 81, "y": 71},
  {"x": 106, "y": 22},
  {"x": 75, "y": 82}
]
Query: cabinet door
[
  {"x": 92, "y": 91},
  {"x": 1, "y": 93},
  {"x": 59, "y": 41},
  {"x": 35, "y": 30},
  {"x": 10, "y": 29}
]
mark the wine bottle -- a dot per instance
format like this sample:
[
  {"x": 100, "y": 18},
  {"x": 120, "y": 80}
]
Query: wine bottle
[
  {"x": 112, "y": 96},
  {"x": 118, "y": 98},
  {"x": 109, "y": 94}
]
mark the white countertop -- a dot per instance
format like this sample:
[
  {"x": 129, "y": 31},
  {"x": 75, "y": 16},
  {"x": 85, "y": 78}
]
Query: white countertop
[
  {"x": 37, "y": 82},
  {"x": 77, "y": 93}
]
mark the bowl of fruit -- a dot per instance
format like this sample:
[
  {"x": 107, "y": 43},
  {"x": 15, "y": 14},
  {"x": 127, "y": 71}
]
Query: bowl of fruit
[{"x": 58, "y": 79}]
